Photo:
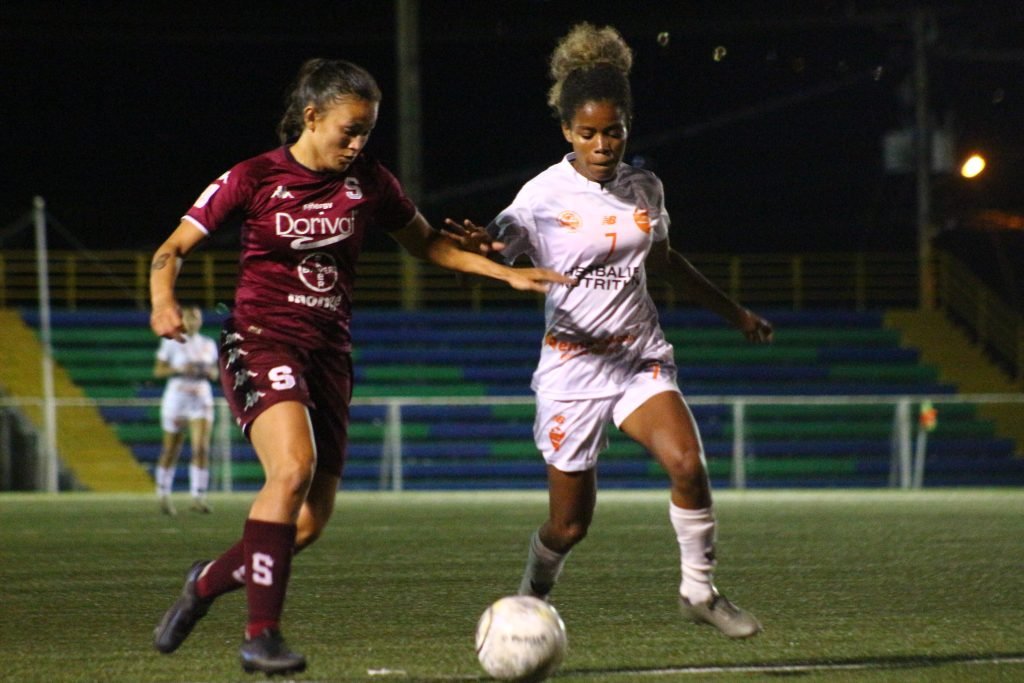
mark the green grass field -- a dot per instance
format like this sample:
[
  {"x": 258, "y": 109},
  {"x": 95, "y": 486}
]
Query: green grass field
[{"x": 851, "y": 586}]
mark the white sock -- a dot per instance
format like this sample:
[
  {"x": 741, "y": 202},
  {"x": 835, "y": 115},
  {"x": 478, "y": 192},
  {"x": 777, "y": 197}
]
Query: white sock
[
  {"x": 164, "y": 480},
  {"x": 199, "y": 480},
  {"x": 695, "y": 531},
  {"x": 543, "y": 566}
]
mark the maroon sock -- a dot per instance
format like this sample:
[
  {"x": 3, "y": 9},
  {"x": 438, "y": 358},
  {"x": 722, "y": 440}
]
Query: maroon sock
[
  {"x": 268, "y": 561},
  {"x": 223, "y": 575}
]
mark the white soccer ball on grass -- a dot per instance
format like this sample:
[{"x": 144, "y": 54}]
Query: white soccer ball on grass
[{"x": 520, "y": 638}]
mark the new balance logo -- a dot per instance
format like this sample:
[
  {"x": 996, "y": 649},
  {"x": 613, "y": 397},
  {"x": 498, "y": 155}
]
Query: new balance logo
[{"x": 282, "y": 193}]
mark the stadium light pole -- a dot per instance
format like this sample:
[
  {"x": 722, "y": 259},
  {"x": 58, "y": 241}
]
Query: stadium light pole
[
  {"x": 920, "y": 25},
  {"x": 410, "y": 142}
]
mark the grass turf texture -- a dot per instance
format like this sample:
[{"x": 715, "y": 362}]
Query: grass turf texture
[{"x": 852, "y": 585}]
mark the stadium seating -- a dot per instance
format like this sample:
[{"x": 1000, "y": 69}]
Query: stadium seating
[{"x": 461, "y": 354}]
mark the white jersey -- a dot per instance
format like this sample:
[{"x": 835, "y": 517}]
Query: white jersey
[
  {"x": 196, "y": 350},
  {"x": 603, "y": 330}
]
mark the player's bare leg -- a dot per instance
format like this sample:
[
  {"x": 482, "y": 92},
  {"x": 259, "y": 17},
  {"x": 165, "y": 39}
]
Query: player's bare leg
[
  {"x": 665, "y": 426},
  {"x": 571, "y": 498},
  {"x": 170, "y": 449},
  {"x": 199, "y": 468}
]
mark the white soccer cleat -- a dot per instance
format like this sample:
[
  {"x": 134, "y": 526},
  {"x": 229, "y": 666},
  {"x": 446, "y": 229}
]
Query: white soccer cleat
[
  {"x": 721, "y": 613},
  {"x": 167, "y": 507}
]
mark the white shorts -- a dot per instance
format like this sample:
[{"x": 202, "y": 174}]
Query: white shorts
[
  {"x": 571, "y": 434},
  {"x": 183, "y": 402}
]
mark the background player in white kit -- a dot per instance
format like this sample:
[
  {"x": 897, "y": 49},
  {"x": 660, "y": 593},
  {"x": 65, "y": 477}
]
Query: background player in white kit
[
  {"x": 189, "y": 367},
  {"x": 604, "y": 356}
]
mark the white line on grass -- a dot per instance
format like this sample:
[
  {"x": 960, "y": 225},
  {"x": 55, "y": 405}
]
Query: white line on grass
[{"x": 804, "y": 668}]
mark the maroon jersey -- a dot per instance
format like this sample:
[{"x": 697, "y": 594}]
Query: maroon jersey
[{"x": 301, "y": 236}]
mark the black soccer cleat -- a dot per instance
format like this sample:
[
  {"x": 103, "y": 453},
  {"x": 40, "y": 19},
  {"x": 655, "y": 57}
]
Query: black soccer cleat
[
  {"x": 181, "y": 618},
  {"x": 268, "y": 654}
]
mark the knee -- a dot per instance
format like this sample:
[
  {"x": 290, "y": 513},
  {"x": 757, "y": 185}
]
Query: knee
[
  {"x": 561, "y": 536},
  {"x": 685, "y": 467},
  {"x": 293, "y": 473}
]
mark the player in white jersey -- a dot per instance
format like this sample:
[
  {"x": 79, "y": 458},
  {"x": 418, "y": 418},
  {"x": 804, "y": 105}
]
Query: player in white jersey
[
  {"x": 189, "y": 367},
  {"x": 604, "y": 357}
]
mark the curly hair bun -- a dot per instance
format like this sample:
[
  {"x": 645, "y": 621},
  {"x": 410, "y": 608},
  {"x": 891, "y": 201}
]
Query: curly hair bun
[{"x": 585, "y": 47}]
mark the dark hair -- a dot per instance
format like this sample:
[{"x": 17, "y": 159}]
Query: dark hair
[
  {"x": 322, "y": 82},
  {"x": 590, "y": 64}
]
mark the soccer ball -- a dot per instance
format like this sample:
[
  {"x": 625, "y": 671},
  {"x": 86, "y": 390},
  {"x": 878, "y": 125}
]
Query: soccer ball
[{"x": 520, "y": 638}]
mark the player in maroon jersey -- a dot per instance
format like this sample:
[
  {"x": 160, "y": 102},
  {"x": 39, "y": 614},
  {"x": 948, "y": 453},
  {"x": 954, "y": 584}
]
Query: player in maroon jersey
[{"x": 285, "y": 358}]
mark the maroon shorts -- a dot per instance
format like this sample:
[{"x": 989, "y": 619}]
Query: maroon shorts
[{"x": 257, "y": 373}]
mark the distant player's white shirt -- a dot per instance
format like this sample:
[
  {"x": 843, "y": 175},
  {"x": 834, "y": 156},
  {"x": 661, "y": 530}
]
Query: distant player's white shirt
[
  {"x": 186, "y": 398},
  {"x": 604, "y": 330}
]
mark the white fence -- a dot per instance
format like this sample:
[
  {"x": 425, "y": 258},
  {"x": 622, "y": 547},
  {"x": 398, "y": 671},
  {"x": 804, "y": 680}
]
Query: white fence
[{"x": 907, "y": 453}]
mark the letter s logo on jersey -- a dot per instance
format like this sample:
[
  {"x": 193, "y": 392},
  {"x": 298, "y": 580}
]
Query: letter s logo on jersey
[{"x": 352, "y": 189}]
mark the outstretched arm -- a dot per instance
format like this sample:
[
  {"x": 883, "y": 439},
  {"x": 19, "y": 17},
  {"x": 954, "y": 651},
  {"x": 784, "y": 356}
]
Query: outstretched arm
[
  {"x": 165, "y": 318},
  {"x": 423, "y": 242},
  {"x": 667, "y": 264},
  {"x": 471, "y": 237}
]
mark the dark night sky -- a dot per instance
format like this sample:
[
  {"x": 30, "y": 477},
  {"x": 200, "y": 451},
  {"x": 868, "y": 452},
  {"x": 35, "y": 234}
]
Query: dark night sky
[{"x": 119, "y": 113}]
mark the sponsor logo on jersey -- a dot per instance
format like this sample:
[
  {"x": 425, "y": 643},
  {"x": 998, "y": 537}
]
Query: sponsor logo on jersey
[
  {"x": 642, "y": 219},
  {"x": 318, "y": 271},
  {"x": 572, "y": 349},
  {"x": 604, "y": 277},
  {"x": 282, "y": 193},
  {"x": 609, "y": 220},
  {"x": 570, "y": 220},
  {"x": 305, "y": 231},
  {"x": 317, "y": 206},
  {"x": 312, "y": 301}
]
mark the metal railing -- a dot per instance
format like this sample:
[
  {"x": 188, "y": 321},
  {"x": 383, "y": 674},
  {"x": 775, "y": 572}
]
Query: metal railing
[
  {"x": 796, "y": 281},
  {"x": 908, "y": 440},
  {"x": 995, "y": 325}
]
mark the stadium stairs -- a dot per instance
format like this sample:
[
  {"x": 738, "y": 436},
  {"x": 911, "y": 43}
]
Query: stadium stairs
[
  {"x": 92, "y": 455},
  {"x": 962, "y": 364},
  {"x": 464, "y": 354}
]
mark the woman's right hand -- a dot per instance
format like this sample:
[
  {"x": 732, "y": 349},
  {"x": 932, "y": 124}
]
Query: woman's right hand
[
  {"x": 166, "y": 321},
  {"x": 471, "y": 237}
]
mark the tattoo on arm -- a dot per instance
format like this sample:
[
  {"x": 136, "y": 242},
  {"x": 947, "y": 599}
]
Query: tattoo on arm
[{"x": 160, "y": 262}]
